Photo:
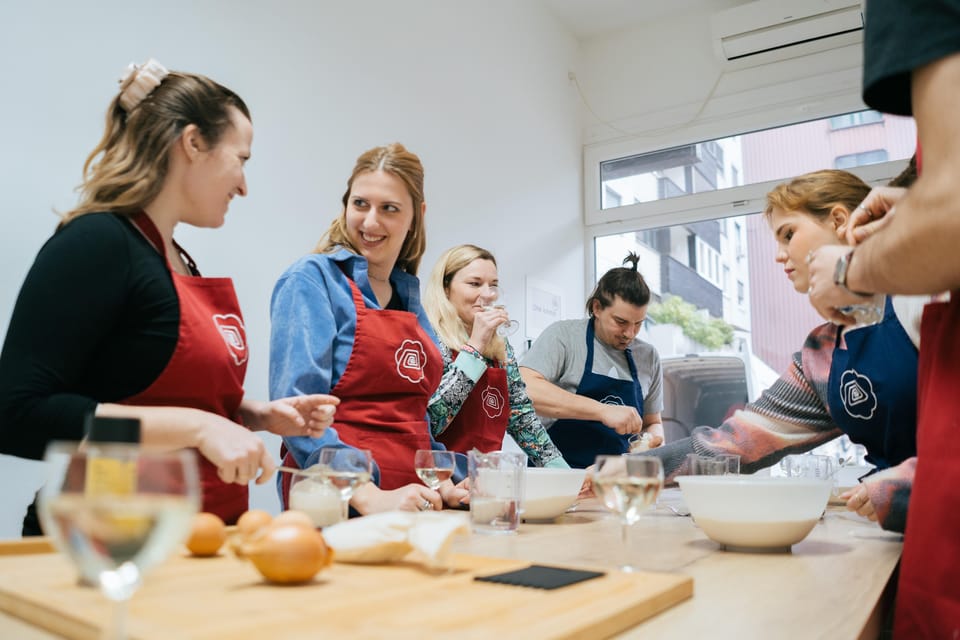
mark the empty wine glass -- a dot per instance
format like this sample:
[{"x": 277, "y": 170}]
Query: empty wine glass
[
  {"x": 627, "y": 484},
  {"x": 434, "y": 467},
  {"x": 494, "y": 300},
  {"x": 117, "y": 511},
  {"x": 346, "y": 469}
]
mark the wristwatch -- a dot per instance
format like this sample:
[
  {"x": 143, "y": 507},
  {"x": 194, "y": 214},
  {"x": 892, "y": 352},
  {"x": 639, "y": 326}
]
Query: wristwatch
[{"x": 840, "y": 273}]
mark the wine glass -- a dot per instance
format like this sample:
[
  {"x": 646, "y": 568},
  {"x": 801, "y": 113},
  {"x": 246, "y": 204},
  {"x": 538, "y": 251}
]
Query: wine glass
[
  {"x": 494, "y": 300},
  {"x": 346, "y": 469},
  {"x": 627, "y": 484},
  {"x": 117, "y": 511},
  {"x": 434, "y": 467}
]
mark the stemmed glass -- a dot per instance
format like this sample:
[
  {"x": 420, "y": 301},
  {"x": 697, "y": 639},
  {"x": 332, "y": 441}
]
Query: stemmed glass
[
  {"x": 434, "y": 467},
  {"x": 627, "y": 484},
  {"x": 494, "y": 300},
  {"x": 346, "y": 469},
  {"x": 117, "y": 511}
]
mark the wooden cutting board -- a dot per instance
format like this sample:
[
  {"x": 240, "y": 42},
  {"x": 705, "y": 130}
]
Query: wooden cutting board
[{"x": 225, "y": 597}]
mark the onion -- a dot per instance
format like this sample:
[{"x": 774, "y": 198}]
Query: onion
[
  {"x": 207, "y": 535},
  {"x": 251, "y": 524},
  {"x": 289, "y": 553}
]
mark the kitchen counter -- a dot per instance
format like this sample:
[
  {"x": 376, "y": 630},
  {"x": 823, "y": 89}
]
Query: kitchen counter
[{"x": 831, "y": 585}]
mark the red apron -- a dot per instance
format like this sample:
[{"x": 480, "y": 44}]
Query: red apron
[
  {"x": 207, "y": 367},
  {"x": 393, "y": 370},
  {"x": 482, "y": 420},
  {"x": 928, "y": 595}
]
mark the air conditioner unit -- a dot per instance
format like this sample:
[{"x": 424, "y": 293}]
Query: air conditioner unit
[{"x": 771, "y": 30}]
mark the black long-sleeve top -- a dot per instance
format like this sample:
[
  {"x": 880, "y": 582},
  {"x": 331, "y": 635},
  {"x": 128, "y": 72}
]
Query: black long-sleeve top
[{"x": 96, "y": 321}]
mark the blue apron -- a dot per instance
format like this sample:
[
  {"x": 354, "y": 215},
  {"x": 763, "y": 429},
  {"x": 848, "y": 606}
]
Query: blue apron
[
  {"x": 581, "y": 441},
  {"x": 872, "y": 392}
]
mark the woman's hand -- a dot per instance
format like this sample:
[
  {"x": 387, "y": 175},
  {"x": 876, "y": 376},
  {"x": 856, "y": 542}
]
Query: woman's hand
[
  {"x": 858, "y": 500},
  {"x": 485, "y": 323},
  {"x": 238, "y": 454},
  {"x": 455, "y": 495},
  {"x": 370, "y": 498},
  {"x": 307, "y": 415},
  {"x": 871, "y": 215}
]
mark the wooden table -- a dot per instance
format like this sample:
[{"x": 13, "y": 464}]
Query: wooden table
[{"x": 830, "y": 585}]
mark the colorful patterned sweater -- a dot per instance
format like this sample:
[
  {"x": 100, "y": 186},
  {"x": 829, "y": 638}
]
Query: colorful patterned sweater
[{"x": 792, "y": 416}]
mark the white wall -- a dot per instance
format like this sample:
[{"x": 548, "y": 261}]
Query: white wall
[{"x": 478, "y": 90}]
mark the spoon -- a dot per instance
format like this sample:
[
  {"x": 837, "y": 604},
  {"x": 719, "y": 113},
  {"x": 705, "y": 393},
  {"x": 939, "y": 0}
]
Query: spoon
[{"x": 316, "y": 473}]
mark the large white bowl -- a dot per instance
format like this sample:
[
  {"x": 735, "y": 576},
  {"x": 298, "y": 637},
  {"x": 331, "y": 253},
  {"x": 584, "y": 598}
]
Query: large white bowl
[
  {"x": 751, "y": 512},
  {"x": 547, "y": 493}
]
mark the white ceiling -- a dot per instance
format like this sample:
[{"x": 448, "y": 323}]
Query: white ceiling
[{"x": 590, "y": 18}]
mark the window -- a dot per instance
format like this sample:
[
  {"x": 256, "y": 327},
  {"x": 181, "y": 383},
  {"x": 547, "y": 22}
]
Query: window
[
  {"x": 860, "y": 159},
  {"x": 855, "y": 119},
  {"x": 611, "y": 198},
  {"x": 712, "y": 166},
  {"x": 693, "y": 212}
]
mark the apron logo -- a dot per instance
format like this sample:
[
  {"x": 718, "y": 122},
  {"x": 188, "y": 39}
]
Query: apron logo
[
  {"x": 492, "y": 402},
  {"x": 856, "y": 392},
  {"x": 411, "y": 359},
  {"x": 614, "y": 400},
  {"x": 231, "y": 329}
]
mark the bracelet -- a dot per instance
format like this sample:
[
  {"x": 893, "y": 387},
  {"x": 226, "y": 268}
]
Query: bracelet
[{"x": 472, "y": 350}]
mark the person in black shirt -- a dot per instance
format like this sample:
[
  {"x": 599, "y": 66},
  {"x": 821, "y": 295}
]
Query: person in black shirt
[
  {"x": 912, "y": 67},
  {"x": 115, "y": 319}
]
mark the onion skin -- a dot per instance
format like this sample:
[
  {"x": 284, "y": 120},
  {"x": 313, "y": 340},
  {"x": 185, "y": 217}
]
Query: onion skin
[
  {"x": 207, "y": 535},
  {"x": 289, "y": 553}
]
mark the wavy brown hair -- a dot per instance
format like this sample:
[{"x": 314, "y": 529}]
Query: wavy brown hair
[
  {"x": 396, "y": 160},
  {"x": 817, "y": 193},
  {"x": 126, "y": 170}
]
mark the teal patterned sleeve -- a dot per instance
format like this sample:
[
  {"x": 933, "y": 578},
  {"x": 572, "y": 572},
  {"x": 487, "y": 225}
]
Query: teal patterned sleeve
[{"x": 524, "y": 426}]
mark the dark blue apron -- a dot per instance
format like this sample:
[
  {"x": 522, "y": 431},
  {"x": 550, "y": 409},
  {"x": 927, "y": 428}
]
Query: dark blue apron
[
  {"x": 581, "y": 441},
  {"x": 872, "y": 392}
]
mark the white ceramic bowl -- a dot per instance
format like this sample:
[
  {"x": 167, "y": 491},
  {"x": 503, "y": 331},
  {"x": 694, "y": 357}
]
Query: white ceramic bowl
[
  {"x": 750, "y": 512},
  {"x": 547, "y": 493}
]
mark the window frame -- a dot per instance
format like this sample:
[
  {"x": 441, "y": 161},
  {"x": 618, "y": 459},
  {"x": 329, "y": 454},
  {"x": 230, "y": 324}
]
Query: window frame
[{"x": 742, "y": 200}]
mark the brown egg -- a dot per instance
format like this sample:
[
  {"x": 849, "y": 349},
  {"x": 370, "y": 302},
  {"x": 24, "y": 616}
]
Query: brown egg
[
  {"x": 293, "y": 517},
  {"x": 289, "y": 553},
  {"x": 207, "y": 535}
]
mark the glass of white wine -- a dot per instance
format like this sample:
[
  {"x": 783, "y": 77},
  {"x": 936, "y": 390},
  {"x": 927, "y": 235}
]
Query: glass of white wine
[
  {"x": 346, "y": 469},
  {"x": 117, "y": 511},
  {"x": 627, "y": 485},
  {"x": 434, "y": 467},
  {"x": 494, "y": 300}
]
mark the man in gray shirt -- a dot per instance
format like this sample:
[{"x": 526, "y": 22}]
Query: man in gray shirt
[{"x": 592, "y": 382}]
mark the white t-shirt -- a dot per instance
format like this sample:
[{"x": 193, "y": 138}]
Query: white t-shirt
[{"x": 560, "y": 354}]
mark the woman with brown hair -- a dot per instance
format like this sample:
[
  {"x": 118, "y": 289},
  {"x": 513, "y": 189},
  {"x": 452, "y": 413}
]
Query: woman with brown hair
[
  {"x": 114, "y": 317},
  {"x": 861, "y": 381},
  {"x": 347, "y": 319}
]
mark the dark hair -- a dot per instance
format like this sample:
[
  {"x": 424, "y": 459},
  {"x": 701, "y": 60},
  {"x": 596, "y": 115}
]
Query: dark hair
[{"x": 625, "y": 282}]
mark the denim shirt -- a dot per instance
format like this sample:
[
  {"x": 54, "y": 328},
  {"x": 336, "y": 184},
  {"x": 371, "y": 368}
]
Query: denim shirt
[{"x": 313, "y": 322}]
